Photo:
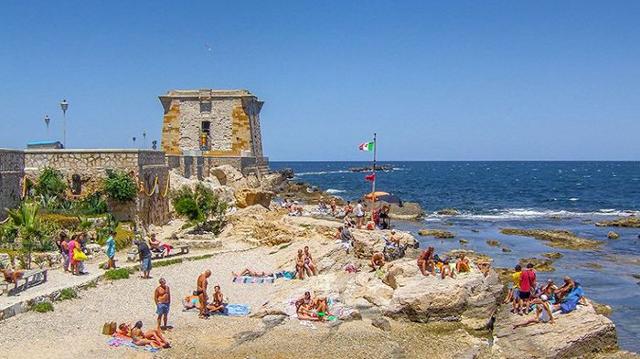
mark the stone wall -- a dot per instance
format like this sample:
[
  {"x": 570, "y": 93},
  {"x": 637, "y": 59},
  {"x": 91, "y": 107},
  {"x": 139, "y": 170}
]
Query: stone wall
[
  {"x": 85, "y": 170},
  {"x": 233, "y": 115},
  {"x": 11, "y": 174},
  {"x": 200, "y": 166}
]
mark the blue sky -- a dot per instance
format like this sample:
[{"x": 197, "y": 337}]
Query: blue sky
[{"x": 436, "y": 80}]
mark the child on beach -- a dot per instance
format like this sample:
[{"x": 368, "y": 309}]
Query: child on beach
[
  {"x": 514, "y": 292},
  {"x": 191, "y": 301}
]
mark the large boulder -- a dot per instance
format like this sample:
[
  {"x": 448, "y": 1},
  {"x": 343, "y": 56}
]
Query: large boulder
[
  {"x": 228, "y": 175},
  {"x": 577, "y": 334},
  {"x": 409, "y": 211},
  {"x": 368, "y": 242},
  {"x": 246, "y": 197},
  {"x": 469, "y": 298}
]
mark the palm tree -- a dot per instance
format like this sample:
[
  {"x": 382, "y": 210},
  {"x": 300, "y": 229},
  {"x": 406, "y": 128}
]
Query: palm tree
[{"x": 25, "y": 218}]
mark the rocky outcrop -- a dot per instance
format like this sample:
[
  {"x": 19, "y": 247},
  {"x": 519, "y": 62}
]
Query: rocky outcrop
[
  {"x": 576, "y": 334},
  {"x": 247, "y": 197},
  {"x": 228, "y": 175},
  {"x": 631, "y": 221},
  {"x": 555, "y": 238},
  {"x": 437, "y": 233},
  {"x": 448, "y": 212},
  {"x": 368, "y": 242},
  {"x": 540, "y": 265},
  {"x": 469, "y": 298},
  {"x": 613, "y": 235},
  {"x": 410, "y": 211}
]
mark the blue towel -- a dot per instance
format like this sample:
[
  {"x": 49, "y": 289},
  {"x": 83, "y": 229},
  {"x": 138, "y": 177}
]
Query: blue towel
[{"x": 237, "y": 310}]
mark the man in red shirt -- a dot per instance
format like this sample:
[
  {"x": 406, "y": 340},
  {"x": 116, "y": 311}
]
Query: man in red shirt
[{"x": 527, "y": 285}]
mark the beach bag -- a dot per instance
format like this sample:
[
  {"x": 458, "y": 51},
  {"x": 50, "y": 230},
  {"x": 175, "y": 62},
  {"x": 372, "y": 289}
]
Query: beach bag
[
  {"x": 109, "y": 328},
  {"x": 79, "y": 255}
]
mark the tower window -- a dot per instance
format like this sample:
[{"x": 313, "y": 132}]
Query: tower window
[{"x": 205, "y": 106}]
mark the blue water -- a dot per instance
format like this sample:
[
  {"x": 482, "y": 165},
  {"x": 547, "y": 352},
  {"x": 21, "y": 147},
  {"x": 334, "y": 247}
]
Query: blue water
[{"x": 494, "y": 195}]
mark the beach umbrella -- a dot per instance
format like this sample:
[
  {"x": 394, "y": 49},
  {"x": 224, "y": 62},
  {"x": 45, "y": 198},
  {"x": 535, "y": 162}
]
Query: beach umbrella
[{"x": 376, "y": 194}]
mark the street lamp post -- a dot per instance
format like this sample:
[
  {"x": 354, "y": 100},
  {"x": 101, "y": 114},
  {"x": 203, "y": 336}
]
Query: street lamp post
[
  {"x": 144, "y": 139},
  {"x": 64, "y": 105},
  {"x": 46, "y": 122}
]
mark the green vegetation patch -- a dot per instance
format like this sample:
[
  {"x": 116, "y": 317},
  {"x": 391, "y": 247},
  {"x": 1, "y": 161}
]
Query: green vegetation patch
[
  {"x": 43, "y": 307},
  {"x": 116, "y": 274},
  {"x": 67, "y": 294}
]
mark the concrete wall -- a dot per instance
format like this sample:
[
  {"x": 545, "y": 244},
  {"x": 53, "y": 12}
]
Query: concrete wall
[
  {"x": 11, "y": 174},
  {"x": 90, "y": 168}
]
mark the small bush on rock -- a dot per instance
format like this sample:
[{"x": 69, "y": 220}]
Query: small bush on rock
[
  {"x": 43, "y": 307},
  {"x": 202, "y": 207},
  {"x": 120, "y": 186},
  {"x": 67, "y": 293}
]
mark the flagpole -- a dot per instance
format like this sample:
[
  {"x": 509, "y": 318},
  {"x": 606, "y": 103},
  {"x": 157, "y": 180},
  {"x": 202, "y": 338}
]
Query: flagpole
[{"x": 373, "y": 183}]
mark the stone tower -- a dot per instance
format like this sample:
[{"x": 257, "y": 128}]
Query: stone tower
[{"x": 212, "y": 123}]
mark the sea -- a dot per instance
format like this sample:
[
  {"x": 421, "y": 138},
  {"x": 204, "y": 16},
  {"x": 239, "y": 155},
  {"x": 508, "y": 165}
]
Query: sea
[{"x": 520, "y": 194}]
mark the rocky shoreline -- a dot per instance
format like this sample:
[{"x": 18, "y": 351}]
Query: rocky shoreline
[{"x": 397, "y": 313}]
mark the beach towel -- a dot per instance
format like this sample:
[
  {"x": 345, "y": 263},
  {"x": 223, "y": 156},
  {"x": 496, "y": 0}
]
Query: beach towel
[
  {"x": 120, "y": 341},
  {"x": 247, "y": 279},
  {"x": 570, "y": 302},
  {"x": 237, "y": 310},
  {"x": 286, "y": 275}
]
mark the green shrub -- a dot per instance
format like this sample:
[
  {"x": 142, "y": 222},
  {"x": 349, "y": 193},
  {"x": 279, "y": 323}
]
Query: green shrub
[
  {"x": 51, "y": 183},
  {"x": 43, "y": 307},
  {"x": 62, "y": 220},
  {"x": 120, "y": 186},
  {"x": 201, "y": 206},
  {"x": 67, "y": 293},
  {"x": 115, "y": 274},
  {"x": 92, "y": 205}
]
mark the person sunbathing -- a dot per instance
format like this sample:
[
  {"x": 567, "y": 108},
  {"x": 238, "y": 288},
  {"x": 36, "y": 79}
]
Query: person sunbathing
[
  {"x": 462, "y": 264},
  {"x": 566, "y": 288},
  {"x": 300, "y": 264},
  {"x": 333, "y": 206},
  {"x": 150, "y": 337},
  {"x": 544, "y": 312},
  {"x": 156, "y": 245},
  {"x": 484, "y": 267},
  {"x": 322, "y": 205},
  {"x": 191, "y": 301},
  {"x": 308, "y": 308},
  {"x": 217, "y": 304},
  {"x": 377, "y": 261},
  {"x": 426, "y": 263},
  {"x": 446, "y": 269},
  {"x": 249, "y": 272},
  {"x": 309, "y": 265},
  {"x": 12, "y": 276}
]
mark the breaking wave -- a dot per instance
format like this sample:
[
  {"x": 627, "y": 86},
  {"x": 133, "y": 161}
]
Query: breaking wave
[{"x": 526, "y": 213}]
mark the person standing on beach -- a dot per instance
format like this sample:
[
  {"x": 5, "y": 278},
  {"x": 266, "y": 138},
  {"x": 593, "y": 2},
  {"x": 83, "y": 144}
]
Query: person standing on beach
[
  {"x": 201, "y": 291},
  {"x": 359, "y": 212},
  {"x": 145, "y": 258},
  {"x": 63, "y": 245},
  {"x": 162, "y": 297},
  {"x": 527, "y": 283},
  {"x": 111, "y": 250}
]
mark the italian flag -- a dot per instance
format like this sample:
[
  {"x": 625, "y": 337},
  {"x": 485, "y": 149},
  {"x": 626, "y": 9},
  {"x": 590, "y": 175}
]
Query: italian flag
[{"x": 367, "y": 146}]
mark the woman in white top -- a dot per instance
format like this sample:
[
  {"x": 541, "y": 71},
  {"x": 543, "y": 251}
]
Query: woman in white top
[
  {"x": 359, "y": 212},
  {"x": 543, "y": 312}
]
